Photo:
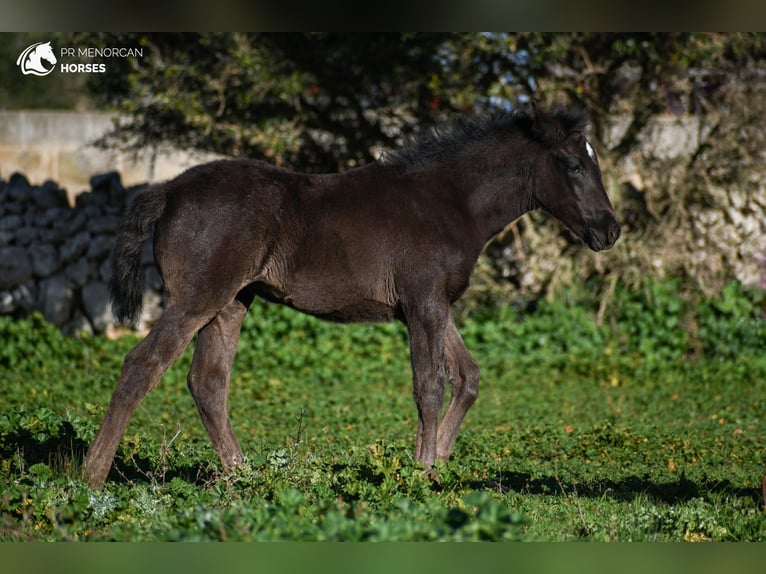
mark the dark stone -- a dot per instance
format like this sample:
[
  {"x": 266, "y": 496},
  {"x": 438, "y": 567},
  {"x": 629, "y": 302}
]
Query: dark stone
[
  {"x": 11, "y": 222},
  {"x": 52, "y": 216},
  {"x": 72, "y": 222},
  {"x": 80, "y": 272},
  {"x": 18, "y": 188},
  {"x": 26, "y": 235},
  {"x": 100, "y": 247},
  {"x": 45, "y": 260},
  {"x": 7, "y": 306},
  {"x": 75, "y": 246},
  {"x": 92, "y": 199},
  {"x": 109, "y": 181},
  {"x": 55, "y": 299},
  {"x": 49, "y": 195},
  {"x": 110, "y": 185},
  {"x": 25, "y": 297},
  {"x": 106, "y": 189},
  {"x": 50, "y": 235},
  {"x": 105, "y": 270},
  {"x": 104, "y": 224},
  {"x": 15, "y": 267},
  {"x": 95, "y": 299}
]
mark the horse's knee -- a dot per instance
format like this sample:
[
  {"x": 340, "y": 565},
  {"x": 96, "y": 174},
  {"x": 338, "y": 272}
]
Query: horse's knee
[{"x": 193, "y": 381}]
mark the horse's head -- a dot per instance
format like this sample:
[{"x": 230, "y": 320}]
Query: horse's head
[{"x": 569, "y": 184}]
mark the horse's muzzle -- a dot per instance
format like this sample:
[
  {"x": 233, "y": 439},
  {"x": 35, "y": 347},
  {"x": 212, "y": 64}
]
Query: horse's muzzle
[{"x": 604, "y": 235}]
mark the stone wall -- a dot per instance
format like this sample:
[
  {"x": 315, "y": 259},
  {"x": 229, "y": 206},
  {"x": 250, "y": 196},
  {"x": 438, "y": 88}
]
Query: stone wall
[{"x": 55, "y": 258}]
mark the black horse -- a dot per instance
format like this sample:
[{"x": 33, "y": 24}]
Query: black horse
[{"x": 395, "y": 239}]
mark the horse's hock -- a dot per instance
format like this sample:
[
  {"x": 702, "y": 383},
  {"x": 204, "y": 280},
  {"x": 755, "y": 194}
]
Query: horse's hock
[{"x": 54, "y": 257}]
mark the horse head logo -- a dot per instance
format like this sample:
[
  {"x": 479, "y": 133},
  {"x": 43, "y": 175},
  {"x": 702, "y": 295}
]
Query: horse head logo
[{"x": 32, "y": 58}]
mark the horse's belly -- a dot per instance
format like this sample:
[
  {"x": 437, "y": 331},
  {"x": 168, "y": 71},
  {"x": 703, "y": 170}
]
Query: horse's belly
[
  {"x": 365, "y": 312},
  {"x": 338, "y": 301}
]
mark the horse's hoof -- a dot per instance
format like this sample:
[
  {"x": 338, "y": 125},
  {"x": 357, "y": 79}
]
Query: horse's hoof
[{"x": 431, "y": 474}]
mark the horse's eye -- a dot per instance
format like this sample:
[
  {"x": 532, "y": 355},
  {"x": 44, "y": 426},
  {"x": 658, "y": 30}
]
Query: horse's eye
[{"x": 573, "y": 168}]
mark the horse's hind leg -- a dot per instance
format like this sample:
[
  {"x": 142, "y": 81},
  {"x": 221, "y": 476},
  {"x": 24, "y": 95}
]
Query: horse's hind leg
[
  {"x": 463, "y": 373},
  {"x": 209, "y": 377},
  {"x": 141, "y": 371}
]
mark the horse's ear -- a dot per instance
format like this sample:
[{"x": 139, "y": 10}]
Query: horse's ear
[
  {"x": 572, "y": 120},
  {"x": 533, "y": 113},
  {"x": 538, "y": 122},
  {"x": 534, "y": 110}
]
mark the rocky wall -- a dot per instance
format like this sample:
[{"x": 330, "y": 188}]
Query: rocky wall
[{"x": 55, "y": 257}]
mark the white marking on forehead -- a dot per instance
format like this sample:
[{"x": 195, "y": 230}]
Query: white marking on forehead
[{"x": 590, "y": 150}]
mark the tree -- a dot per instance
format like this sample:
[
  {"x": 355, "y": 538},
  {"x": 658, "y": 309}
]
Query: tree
[{"x": 314, "y": 101}]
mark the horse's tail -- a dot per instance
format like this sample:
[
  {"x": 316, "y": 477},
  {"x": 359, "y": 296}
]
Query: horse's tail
[{"x": 127, "y": 280}]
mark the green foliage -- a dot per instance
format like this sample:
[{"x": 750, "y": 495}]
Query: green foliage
[
  {"x": 650, "y": 324},
  {"x": 30, "y": 344},
  {"x": 733, "y": 323},
  {"x": 646, "y": 427}
]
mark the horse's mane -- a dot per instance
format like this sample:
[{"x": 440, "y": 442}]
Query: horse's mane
[{"x": 441, "y": 142}]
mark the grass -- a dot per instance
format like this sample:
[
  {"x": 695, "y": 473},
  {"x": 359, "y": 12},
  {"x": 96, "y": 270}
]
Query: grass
[{"x": 648, "y": 427}]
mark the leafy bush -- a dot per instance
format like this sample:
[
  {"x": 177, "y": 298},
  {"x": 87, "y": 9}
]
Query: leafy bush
[
  {"x": 733, "y": 324},
  {"x": 29, "y": 344}
]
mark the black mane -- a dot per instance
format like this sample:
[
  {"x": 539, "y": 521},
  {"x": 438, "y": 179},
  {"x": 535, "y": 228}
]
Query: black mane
[{"x": 441, "y": 142}]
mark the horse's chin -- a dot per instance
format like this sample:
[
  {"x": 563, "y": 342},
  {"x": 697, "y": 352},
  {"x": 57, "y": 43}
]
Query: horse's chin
[{"x": 596, "y": 245}]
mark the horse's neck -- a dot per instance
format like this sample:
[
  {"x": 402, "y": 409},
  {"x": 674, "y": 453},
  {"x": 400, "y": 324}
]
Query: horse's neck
[{"x": 494, "y": 203}]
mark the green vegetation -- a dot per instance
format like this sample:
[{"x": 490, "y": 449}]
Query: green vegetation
[{"x": 648, "y": 426}]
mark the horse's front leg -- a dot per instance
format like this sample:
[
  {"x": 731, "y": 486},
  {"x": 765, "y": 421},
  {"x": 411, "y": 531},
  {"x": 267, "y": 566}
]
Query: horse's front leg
[
  {"x": 426, "y": 327},
  {"x": 463, "y": 373}
]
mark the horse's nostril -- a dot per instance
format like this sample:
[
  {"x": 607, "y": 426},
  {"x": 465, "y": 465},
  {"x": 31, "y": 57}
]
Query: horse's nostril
[{"x": 614, "y": 232}]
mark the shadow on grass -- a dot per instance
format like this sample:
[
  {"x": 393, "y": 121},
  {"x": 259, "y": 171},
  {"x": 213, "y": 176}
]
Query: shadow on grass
[
  {"x": 625, "y": 489},
  {"x": 64, "y": 452},
  {"x": 143, "y": 470}
]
